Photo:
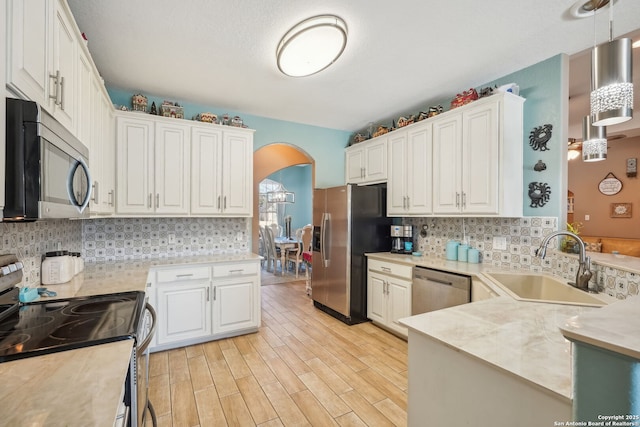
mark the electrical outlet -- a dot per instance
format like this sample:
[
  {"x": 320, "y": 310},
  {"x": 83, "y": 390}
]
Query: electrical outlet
[
  {"x": 500, "y": 243},
  {"x": 239, "y": 235},
  {"x": 172, "y": 239}
]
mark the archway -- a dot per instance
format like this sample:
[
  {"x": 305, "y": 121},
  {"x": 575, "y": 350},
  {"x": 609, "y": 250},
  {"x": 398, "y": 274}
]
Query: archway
[{"x": 267, "y": 160}]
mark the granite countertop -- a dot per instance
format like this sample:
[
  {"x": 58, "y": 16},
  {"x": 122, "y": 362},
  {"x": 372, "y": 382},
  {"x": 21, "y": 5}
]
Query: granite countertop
[
  {"x": 615, "y": 327},
  {"x": 124, "y": 276},
  {"x": 522, "y": 338},
  {"x": 80, "y": 387},
  {"x": 83, "y": 386}
]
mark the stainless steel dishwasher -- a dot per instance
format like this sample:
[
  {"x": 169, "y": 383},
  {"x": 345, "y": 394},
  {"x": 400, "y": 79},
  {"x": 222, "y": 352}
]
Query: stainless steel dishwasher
[{"x": 433, "y": 290}]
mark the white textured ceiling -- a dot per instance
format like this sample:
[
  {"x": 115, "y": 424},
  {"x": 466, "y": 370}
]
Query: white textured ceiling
[{"x": 400, "y": 55}]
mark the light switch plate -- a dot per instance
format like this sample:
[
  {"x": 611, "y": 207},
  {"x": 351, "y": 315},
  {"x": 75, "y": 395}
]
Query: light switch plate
[{"x": 500, "y": 243}]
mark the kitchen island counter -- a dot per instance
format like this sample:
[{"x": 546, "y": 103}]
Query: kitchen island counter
[{"x": 80, "y": 387}]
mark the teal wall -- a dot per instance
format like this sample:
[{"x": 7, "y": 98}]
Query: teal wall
[
  {"x": 297, "y": 179},
  {"x": 545, "y": 88},
  {"x": 604, "y": 383},
  {"x": 326, "y": 146}
]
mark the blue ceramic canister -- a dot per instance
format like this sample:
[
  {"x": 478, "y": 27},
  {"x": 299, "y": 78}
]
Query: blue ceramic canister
[
  {"x": 463, "y": 251},
  {"x": 452, "y": 250},
  {"x": 473, "y": 256}
]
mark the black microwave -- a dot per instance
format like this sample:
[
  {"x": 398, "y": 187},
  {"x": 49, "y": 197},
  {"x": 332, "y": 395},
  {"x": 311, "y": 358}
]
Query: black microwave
[{"x": 47, "y": 173}]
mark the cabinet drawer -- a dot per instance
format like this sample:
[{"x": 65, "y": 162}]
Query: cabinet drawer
[
  {"x": 181, "y": 274},
  {"x": 390, "y": 268},
  {"x": 241, "y": 269}
]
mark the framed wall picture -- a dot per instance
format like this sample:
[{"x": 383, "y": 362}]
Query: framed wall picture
[{"x": 620, "y": 210}]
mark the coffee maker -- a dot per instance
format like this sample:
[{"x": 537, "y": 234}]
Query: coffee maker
[{"x": 401, "y": 239}]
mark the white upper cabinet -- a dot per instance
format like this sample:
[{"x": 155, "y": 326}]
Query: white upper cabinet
[
  {"x": 29, "y": 26},
  {"x": 153, "y": 166},
  {"x": 64, "y": 102},
  {"x": 366, "y": 162},
  {"x": 221, "y": 171},
  {"x": 477, "y": 158},
  {"x": 410, "y": 172}
]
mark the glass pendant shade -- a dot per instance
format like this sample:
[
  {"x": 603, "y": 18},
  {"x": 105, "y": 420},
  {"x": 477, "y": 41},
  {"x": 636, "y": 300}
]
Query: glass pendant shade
[
  {"x": 594, "y": 141},
  {"x": 311, "y": 46},
  {"x": 281, "y": 196},
  {"x": 611, "y": 83}
]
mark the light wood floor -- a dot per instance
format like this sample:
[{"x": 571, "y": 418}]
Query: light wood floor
[{"x": 302, "y": 368}]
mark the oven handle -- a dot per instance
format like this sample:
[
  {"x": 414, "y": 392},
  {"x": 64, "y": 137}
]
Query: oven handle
[{"x": 147, "y": 340}]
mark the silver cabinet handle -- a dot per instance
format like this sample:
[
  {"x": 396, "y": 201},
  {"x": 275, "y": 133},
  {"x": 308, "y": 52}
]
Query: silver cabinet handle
[
  {"x": 408, "y": 202},
  {"x": 62, "y": 93},
  {"x": 95, "y": 192},
  {"x": 225, "y": 202},
  {"x": 149, "y": 200},
  {"x": 184, "y": 275},
  {"x": 56, "y": 96},
  {"x": 111, "y": 197},
  {"x": 208, "y": 294},
  {"x": 239, "y": 270},
  {"x": 214, "y": 293},
  {"x": 218, "y": 202},
  {"x": 157, "y": 200},
  {"x": 386, "y": 269},
  {"x": 457, "y": 199},
  {"x": 464, "y": 200}
]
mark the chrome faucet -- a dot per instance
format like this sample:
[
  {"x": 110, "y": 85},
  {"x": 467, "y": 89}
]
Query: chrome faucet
[{"x": 583, "y": 275}]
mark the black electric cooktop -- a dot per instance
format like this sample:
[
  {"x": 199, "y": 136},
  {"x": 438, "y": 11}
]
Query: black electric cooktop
[{"x": 43, "y": 327}]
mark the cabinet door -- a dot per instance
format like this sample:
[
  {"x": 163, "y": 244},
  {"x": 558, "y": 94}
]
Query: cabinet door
[
  {"x": 398, "y": 303},
  {"x": 135, "y": 171},
  {"x": 375, "y": 165},
  {"x": 108, "y": 196},
  {"x": 85, "y": 89},
  {"x": 376, "y": 297},
  {"x": 206, "y": 167},
  {"x": 237, "y": 181},
  {"x": 480, "y": 148},
  {"x": 235, "y": 305},
  {"x": 397, "y": 184},
  {"x": 354, "y": 165},
  {"x": 65, "y": 56},
  {"x": 29, "y": 26},
  {"x": 447, "y": 155},
  {"x": 184, "y": 311},
  {"x": 171, "y": 178},
  {"x": 419, "y": 170},
  {"x": 95, "y": 148}
]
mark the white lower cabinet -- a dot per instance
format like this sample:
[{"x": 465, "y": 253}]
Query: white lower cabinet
[
  {"x": 389, "y": 295},
  {"x": 201, "y": 303}
]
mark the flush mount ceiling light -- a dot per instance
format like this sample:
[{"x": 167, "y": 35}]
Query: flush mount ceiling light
[
  {"x": 594, "y": 145},
  {"x": 611, "y": 77},
  {"x": 311, "y": 46}
]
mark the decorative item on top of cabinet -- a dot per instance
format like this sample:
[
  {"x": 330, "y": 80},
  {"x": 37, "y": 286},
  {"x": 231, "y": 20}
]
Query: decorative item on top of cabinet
[
  {"x": 464, "y": 98},
  {"x": 154, "y": 109},
  {"x": 381, "y": 130},
  {"x": 539, "y": 194},
  {"x": 358, "y": 137},
  {"x": 404, "y": 121},
  {"x": 539, "y": 137},
  {"x": 171, "y": 109},
  {"x": 139, "y": 102},
  {"x": 206, "y": 118}
]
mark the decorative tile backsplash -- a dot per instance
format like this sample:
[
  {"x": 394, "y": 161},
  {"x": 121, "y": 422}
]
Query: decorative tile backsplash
[
  {"x": 31, "y": 240},
  {"x": 113, "y": 239},
  {"x": 524, "y": 236}
]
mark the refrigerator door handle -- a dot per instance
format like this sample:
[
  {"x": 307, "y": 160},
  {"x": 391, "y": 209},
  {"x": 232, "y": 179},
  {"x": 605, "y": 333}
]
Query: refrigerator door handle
[{"x": 323, "y": 242}]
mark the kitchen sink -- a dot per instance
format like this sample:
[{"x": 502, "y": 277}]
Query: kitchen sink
[{"x": 543, "y": 288}]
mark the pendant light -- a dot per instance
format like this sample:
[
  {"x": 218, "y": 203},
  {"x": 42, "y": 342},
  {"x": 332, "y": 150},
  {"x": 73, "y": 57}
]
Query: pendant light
[
  {"x": 311, "y": 46},
  {"x": 594, "y": 141},
  {"x": 611, "y": 80}
]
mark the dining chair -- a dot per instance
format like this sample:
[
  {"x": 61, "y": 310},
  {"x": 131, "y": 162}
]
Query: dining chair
[
  {"x": 294, "y": 255},
  {"x": 273, "y": 253},
  {"x": 262, "y": 246},
  {"x": 307, "y": 237}
]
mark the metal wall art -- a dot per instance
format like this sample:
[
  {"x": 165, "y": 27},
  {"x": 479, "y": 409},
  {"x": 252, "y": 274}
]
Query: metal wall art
[
  {"x": 540, "y": 166},
  {"x": 540, "y": 136},
  {"x": 539, "y": 193}
]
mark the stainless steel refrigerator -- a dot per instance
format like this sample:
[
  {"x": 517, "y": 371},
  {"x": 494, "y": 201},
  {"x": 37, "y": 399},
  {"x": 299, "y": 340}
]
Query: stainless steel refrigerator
[{"x": 348, "y": 221}]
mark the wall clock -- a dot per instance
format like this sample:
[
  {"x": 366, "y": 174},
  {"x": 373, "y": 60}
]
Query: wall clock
[{"x": 610, "y": 185}]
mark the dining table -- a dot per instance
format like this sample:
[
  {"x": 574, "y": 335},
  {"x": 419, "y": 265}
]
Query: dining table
[{"x": 285, "y": 244}]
